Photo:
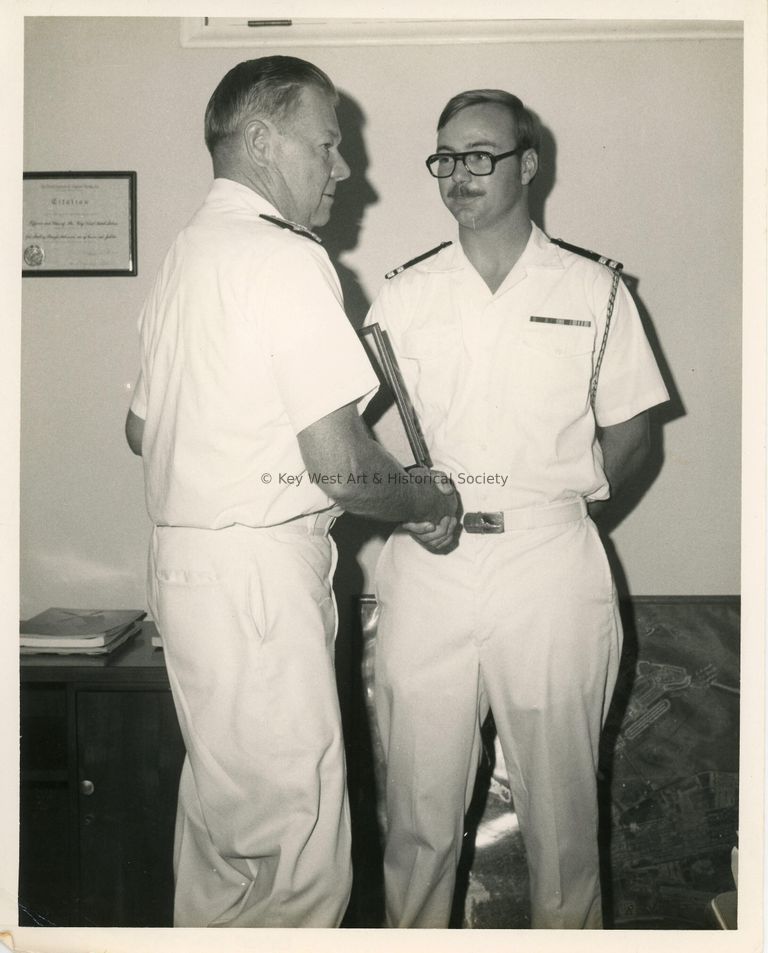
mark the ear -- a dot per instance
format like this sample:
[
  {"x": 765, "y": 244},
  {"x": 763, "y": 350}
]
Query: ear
[
  {"x": 258, "y": 139},
  {"x": 529, "y": 166}
]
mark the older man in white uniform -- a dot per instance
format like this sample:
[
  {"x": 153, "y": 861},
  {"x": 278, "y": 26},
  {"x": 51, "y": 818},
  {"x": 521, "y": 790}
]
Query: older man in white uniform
[
  {"x": 244, "y": 410},
  {"x": 499, "y": 339}
]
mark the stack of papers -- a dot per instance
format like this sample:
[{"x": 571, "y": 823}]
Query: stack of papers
[{"x": 78, "y": 631}]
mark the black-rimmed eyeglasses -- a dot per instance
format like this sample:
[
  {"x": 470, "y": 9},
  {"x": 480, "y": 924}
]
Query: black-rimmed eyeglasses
[{"x": 442, "y": 164}]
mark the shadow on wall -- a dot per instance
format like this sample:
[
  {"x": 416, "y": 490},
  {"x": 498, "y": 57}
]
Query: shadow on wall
[
  {"x": 546, "y": 175},
  {"x": 353, "y": 196},
  {"x": 635, "y": 489}
]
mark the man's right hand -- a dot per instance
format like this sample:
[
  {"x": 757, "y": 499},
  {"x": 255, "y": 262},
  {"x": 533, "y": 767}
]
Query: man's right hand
[{"x": 439, "y": 533}]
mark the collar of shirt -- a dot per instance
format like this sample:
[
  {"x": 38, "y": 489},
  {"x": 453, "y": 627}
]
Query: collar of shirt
[
  {"x": 227, "y": 191},
  {"x": 538, "y": 253}
]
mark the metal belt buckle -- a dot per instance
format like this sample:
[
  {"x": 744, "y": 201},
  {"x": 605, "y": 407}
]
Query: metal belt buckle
[{"x": 484, "y": 522}]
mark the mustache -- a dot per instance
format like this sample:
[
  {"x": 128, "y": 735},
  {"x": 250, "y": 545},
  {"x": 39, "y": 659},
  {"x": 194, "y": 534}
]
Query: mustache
[{"x": 463, "y": 192}]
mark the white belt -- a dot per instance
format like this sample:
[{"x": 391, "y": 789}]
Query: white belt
[
  {"x": 314, "y": 524},
  {"x": 530, "y": 517}
]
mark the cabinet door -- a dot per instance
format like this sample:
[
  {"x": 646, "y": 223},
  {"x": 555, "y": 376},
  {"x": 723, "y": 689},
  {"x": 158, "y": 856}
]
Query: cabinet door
[
  {"x": 130, "y": 754},
  {"x": 46, "y": 861}
]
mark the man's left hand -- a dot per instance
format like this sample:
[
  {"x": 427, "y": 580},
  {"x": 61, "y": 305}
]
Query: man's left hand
[{"x": 437, "y": 538}]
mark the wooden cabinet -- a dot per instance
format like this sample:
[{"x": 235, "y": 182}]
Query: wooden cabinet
[{"x": 101, "y": 754}]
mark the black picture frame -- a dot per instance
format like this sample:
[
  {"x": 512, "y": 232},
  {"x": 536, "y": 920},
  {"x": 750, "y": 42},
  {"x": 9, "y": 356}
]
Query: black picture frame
[
  {"x": 385, "y": 363},
  {"x": 79, "y": 224}
]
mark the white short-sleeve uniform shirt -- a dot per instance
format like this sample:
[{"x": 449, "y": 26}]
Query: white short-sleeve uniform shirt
[
  {"x": 244, "y": 343},
  {"x": 500, "y": 381}
]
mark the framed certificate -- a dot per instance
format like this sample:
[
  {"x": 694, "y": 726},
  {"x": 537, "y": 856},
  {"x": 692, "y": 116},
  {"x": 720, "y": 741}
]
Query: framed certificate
[
  {"x": 79, "y": 224},
  {"x": 385, "y": 363}
]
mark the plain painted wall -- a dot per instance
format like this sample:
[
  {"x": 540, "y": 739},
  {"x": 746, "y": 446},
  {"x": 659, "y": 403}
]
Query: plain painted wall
[{"x": 642, "y": 161}]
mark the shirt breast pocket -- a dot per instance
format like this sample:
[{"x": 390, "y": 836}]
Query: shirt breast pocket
[
  {"x": 555, "y": 369},
  {"x": 559, "y": 339}
]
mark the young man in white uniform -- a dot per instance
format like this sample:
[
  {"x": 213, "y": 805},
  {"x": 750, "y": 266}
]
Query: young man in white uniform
[
  {"x": 498, "y": 337},
  {"x": 250, "y": 376}
]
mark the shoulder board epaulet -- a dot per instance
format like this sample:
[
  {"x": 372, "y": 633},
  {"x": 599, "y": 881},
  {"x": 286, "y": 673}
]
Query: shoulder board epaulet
[
  {"x": 608, "y": 262},
  {"x": 292, "y": 226},
  {"x": 417, "y": 259}
]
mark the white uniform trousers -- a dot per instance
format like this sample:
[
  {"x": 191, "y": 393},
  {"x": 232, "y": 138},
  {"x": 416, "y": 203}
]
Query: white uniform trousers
[
  {"x": 526, "y": 622},
  {"x": 248, "y": 622}
]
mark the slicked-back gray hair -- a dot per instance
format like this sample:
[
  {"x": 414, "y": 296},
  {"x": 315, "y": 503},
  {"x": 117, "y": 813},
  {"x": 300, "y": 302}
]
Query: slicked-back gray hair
[{"x": 268, "y": 86}]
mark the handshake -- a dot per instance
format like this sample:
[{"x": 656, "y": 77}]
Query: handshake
[{"x": 439, "y": 530}]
